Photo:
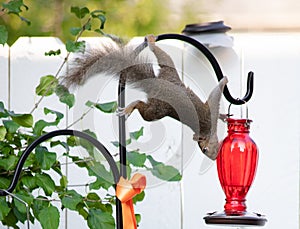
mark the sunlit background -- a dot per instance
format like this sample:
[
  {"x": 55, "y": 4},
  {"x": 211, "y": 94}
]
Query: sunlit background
[{"x": 139, "y": 17}]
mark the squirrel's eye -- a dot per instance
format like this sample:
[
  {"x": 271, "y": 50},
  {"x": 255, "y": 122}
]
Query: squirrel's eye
[{"x": 205, "y": 149}]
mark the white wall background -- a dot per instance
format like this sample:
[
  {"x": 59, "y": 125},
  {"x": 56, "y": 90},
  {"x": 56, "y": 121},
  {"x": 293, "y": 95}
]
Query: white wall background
[{"x": 274, "y": 109}]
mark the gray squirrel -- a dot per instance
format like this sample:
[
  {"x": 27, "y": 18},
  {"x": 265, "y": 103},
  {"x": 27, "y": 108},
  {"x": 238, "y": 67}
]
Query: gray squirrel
[{"x": 166, "y": 94}]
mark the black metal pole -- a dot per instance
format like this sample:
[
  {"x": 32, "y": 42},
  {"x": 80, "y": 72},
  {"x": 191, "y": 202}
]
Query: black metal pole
[
  {"x": 122, "y": 147},
  {"x": 122, "y": 129}
]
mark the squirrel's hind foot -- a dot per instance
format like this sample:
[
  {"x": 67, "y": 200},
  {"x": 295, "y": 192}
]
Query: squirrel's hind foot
[
  {"x": 121, "y": 112},
  {"x": 126, "y": 111}
]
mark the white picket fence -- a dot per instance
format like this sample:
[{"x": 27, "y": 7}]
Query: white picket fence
[{"x": 274, "y": 109}]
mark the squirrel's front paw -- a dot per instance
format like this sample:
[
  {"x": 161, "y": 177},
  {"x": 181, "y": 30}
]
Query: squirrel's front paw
[
  {"x": 151, "y": 38},
  {"x": 151, "y": 41},
  {"x": 223, "y": 117}
]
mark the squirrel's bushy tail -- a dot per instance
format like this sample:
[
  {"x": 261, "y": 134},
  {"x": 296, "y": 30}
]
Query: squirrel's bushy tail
[{"x": 112, "y": 60}]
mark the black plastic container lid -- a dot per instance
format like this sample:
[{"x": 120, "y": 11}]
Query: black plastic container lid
[{"x": 208, "y": 27}]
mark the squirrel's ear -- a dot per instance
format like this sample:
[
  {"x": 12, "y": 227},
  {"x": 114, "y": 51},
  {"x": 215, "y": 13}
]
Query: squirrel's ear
[{"x": 213, "y": 102}]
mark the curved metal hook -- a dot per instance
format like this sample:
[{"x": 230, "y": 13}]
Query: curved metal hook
[
  {"x": 243, "y": 102},
  {"x": 215, "y": 66},
  {"x": 76, "y": 133},
  {"x": 49, "y": 135}
]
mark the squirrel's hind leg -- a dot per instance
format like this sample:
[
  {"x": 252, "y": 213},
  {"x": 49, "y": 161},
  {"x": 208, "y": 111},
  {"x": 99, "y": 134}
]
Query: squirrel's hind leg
[
  {"x": 140, "y": 105},
  {"x": 150, "y": 111}
]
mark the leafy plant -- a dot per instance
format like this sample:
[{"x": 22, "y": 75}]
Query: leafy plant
[
  {"x": 14, "y": 7},
  {"x": 37, "y": 186}
]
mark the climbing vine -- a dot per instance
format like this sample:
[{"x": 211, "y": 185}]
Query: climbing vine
[{"x": 38, "y": 192}]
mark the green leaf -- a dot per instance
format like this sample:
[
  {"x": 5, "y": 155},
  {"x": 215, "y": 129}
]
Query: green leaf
[
  {"x": 39, "y": 204},
  {"x": 29, "y": 181},
  {"x": 72, "y": 141},
  {"x": 136, "y": 159},
  {"x": 63, "y": 144},
  {"x": 88, "y": 26},
  {"x": 53, "y": 53},
  {"x": 47, "y": 85},
  {"x": 6, "y": 149},
  {"x": 109, "y": 107},
  {"x": 24, "y": 196},
  {"x": 65, "y": 96},
  {"x": 45, "y": 158},
  {"x": 46, "y": 183},
  {"x": 4, "y": 208},
  {"x": 9, "y": 163},
  {"x": 71, "y": 199},
  {"x": 138, "y": 218},
  {"x": 117, "y": 144},
  {"x": 75, "y": 46},
  {"x": 75, "y": 30},
  {"x": 96, "y": 185},
  {"x": 59, "y": 115},
  {"x": 11, "y": 126},
  {"x": 81, "y": 208},
  {"x": 14, "y": 6},
  {"x": 93, "y": 197},
  {"x": 100, "y": 220},
  {"x": 104, "y": 178},
  {"x": 86, "y": 144},
  {"x": 89, "y": 103},
  {"x": 135, "y": 135},
  {"x": 25, "y": 120},
  {"x": 57, "y": 168},
  {"x": 80, "y": 12},
  {"x": 41, "y": 124},
  {"x": 3, "y": 34},
  {"x": 11, "y": 220},
  {"x": 139, "y": 197},
  {"x": 99, "y": 31},
  {"x": 3, "y": 132},
  {"x": 63, "y": 182},
  {"x": 49, "y": 217},
  {"x": 39, "y": 127},
  {"x": 164, "y": 172},
  {"x": 30, "y": 161},
  {"x": 99, "y": 14},
  {"x": 4, "y": 182},
  {"x": 78, "y": 161},
  {"x": 92, "y": 200},
  {"x": 99, "y": 170},
  {"x": 3, "y": 111}
]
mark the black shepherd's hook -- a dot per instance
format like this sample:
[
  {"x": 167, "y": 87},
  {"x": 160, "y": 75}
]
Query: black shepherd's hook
[
  {"x": 215, "y": 65},
  {"x": 93, "y": 141},
  {"x": 122, "y": 134}
]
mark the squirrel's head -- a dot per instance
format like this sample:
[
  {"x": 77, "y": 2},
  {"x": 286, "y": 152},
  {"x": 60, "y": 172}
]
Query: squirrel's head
[{"x": 209, "y": 145}]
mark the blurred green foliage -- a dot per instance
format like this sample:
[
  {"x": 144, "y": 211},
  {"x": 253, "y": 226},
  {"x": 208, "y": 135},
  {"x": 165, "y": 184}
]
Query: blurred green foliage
[{"x": 125, "y": 18}]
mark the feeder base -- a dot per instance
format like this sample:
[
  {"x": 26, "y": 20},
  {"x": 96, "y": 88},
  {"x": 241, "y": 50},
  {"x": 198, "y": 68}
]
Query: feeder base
[{"x": 245, "y": 220}]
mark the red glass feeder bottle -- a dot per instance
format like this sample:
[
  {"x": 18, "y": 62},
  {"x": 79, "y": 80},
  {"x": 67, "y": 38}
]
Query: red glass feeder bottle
[{"x": 236, "y": 164}]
